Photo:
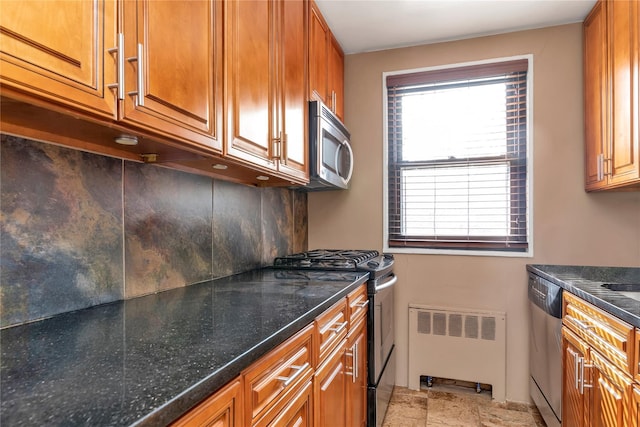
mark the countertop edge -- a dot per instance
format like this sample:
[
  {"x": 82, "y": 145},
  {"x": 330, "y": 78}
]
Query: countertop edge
[
  {"x": 581, "y": 288},
  {"x": 198, "y": 392}
]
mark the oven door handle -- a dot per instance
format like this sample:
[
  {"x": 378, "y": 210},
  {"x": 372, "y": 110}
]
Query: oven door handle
[{"x": 388, "y": 283}]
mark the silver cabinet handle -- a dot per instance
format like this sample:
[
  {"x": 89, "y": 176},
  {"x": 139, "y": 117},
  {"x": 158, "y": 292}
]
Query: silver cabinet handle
[
  {"x": 340, "y": 327},
  {"x": 353, "y": 353},
  {"x": 600, "y": 167},
  {"x": 119, "y": 84},
  {"x": 299, "y": 370},
  {"x": 363, "y": 304},
  {"x": 356, "y": 359},
  {"x": 140, "y": 75},
  {"x": 584, "y": 385},
  {"x": 582, "y": 325},
  {"x": 576, "y": 370}
]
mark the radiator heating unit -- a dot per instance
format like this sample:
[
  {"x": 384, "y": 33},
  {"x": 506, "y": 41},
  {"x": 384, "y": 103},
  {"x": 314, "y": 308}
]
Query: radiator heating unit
[{"x": 458, "y": 344}]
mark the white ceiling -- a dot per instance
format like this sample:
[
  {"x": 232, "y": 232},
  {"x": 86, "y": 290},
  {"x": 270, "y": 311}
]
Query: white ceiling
[{"x": 368, "y": 25}]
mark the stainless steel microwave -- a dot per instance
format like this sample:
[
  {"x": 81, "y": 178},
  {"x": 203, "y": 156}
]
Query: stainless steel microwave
[{"x": 330, "y": 154}]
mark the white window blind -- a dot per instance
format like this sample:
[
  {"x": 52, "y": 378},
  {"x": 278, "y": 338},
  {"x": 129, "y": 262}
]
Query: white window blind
[{"x": 457, "y": 160}]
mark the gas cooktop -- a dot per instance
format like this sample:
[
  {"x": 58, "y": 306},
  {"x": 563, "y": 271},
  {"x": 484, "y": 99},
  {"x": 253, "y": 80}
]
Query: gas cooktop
[
  {"x": 340, "y": 259},
  {"x": 376, "y": 264}
]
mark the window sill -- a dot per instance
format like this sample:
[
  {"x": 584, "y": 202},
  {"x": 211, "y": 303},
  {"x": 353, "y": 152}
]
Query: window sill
[{"x": 458, "y": 252}]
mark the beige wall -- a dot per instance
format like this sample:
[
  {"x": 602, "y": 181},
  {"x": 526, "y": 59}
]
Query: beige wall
[{"x": 570, "y": 226}]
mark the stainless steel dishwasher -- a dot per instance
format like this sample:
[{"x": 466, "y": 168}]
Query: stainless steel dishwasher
[{"x": 545, "y": 348}]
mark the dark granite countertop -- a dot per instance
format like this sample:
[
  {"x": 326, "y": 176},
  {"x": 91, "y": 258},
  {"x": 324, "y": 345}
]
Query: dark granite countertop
[
  {"x": 586, "y": 282},
  {"x": 147, "y": 360}
]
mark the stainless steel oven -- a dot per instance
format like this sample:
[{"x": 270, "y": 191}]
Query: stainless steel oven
[
  {"x": 381, "y": 346},
  {"x": 380, "y": 321}
]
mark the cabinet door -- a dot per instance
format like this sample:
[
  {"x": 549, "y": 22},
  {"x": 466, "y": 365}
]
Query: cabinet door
[
  {"x": 356, "y": 380},
  {"x": 635, "y": 406},
  {"x": 595, "y": 104},
  {"x": 330, "y": 390},
  {"x": 336, "y": 78},
  {"x": 173, "y": 67},
  {"x": 57, "y": 50},
  {"x": 223, "y": 409},
  {"x": 611, "y": 394},
  {"x": 294, "y": 90},
  {"x": 623, "y": 45},
  {"x": 574, "y": 402},
  {"x": 318, "y": 56},
  {"x": 249, "y": 28},
  {"x": 636, "y": 367}
]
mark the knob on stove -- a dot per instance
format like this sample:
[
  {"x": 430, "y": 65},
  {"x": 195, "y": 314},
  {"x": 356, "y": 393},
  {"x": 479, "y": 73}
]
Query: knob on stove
[
  {"x": 388, "y": 256},
  {"x": 373, "y": 264}
]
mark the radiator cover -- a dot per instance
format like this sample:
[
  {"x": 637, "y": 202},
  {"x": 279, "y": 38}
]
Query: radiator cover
[{"x": 458, "y": 344}]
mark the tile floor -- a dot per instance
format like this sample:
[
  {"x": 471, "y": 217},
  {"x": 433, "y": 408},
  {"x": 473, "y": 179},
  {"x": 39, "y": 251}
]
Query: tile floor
[{"x": 453, "y": 406}]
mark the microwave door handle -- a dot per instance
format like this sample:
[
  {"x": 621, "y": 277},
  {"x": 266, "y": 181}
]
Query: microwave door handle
[{"x": 345, "y": 143}]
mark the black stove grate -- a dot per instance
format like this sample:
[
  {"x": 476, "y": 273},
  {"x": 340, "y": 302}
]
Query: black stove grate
[{"x": 327, "y": 258}]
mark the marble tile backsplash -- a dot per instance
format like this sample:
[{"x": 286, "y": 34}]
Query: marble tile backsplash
[{"x": 79, "y": 229}]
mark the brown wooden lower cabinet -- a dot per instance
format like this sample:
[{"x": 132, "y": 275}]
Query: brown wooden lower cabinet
[
  {"x": 611, "y": 394},
  {"x": 330, "y": 389},
  {"x": 635, "y": 405},
  {"x": 272, "y": 381},
  {"x": 574, "y": 400},
  {"x": 637, "y": 357},
  {"x": 223, "y": 409},
  {"x": 318, "y": 377},
  {"x": 341, "y": 382},
  {"x": 356, "y": 352},
  {"x": 598, "y": 387}
]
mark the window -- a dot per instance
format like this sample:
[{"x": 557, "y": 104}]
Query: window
[{"x": 457, "y": 158}]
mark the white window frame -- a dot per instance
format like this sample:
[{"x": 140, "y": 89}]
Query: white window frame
[{"x": 529, "y": 181}]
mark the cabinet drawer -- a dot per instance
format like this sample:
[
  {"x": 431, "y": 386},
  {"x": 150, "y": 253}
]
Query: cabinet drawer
[
  {"x": 610, "y": 336},
  {"x": 331, "y": 328},
  {"x": 357, "y": 303},
  {"x": 298, "y": 412},
  {"x": 270, "y": 382}
]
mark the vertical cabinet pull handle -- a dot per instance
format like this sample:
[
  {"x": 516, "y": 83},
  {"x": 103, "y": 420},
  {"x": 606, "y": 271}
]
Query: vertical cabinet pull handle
[
  {"x": 140, "y": 75},
  {"x": 600, "y": 166},
  {"x": 607, "y": 171},
  {"x": 119, "y": 84},
  {"x": 584, "y": 385},
  {"x": 576, "y": 370},
  {"x": 356, "y": 359},
  {"x": 353, "y": 353},
  {"x": 277, "y": 147}
]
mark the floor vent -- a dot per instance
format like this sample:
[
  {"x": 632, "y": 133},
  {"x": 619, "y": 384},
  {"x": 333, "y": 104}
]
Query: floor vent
[{"x": 458, "y": 344}]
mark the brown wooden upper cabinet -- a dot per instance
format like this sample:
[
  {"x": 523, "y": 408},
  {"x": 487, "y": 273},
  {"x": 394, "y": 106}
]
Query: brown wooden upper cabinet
[
  {"x": 151, "y": 65},
  {"x": 57, "y": 51},
  {"x": 266, "y": 84},
  {"x": 611, "y": 79},
  {"x": 172, "y": 63},
  {"x": 326, "y": 64}
]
